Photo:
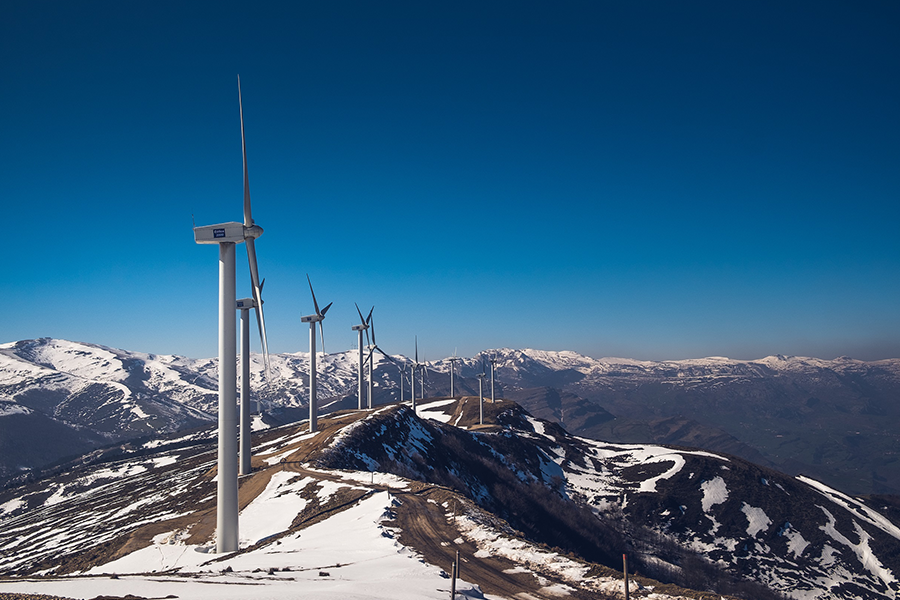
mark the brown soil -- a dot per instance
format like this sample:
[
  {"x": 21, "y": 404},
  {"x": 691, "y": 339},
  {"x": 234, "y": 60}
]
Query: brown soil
[{"x": 424, "y": 527}]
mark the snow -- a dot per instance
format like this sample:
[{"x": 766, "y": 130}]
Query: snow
[
  {"x": 538, "y": 426},
  {"x": 796, "y": 543},
  {"x": 430, "y": 410},
  {"x": 862, "y": 549},
  {"x": 756, "y": 519},
  {"x": 10, "y": 408},
  {"x": 857, "y": 508},
  {"x": 598, "y": 483},
  {"x": 649, "y": 485},
  {"x": 714, "y": 492},
  {"x": 11, "y": 505},
  {"x": 274, "y": 510},
  {"x": 375, "y": 478},
  {"x": 348, "y": 556}
]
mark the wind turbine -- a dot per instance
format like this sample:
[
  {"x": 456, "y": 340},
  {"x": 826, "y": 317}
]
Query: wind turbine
[
  {"x": 453, "y": 360},
  {"x": 493, "y": 361},
  {"x": 372, "y": 350},
  {"x": 318, "y": 317},
  {"x": 256, "y": 303},
  {"x": 412, "y": 376},
  {"x": 245, "y": 305},
  {"x": 481, "y": 394},
  {"x": 363, "y": 326},
  {"x": 422, "y": 373},
  {"x": 226, "y": 235}
]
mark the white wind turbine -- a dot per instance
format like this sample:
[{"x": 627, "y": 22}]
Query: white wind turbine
[
  {"x": 374, "y": 346},
  {"x": 245, "y": 305},
  {"x": 363, "y": 326},
  {"x": 318, "y": 317},
  {"x": 481, "y": 394},
  {"x": 422, "y": 373},
  {"x": 453, "y": 360},
  {"x": 493, "y": 361},
  {"x": 412, "y": 377},
  {"x": 226, "y": 235}
]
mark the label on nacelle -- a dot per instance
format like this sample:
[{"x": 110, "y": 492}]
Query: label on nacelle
[{"x": 218, "y": 233}]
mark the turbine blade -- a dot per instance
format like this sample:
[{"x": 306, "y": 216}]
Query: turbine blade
[
  {"x": 315, "y": 304},
  {"x": 372, "y": 327},
  {"x": 322, "y": 335},
  {"x": 369, "y": 318},
  {"x": 359, "y": 312},
  {"x": 248, "y": 218},
  {"x": 257, "y": 295},
  {"x": 261, "y": 323},
  {"x": 325, "y": 310},
  {"x": 386, "y": 355},
  {"x": 417, "y": 350}
]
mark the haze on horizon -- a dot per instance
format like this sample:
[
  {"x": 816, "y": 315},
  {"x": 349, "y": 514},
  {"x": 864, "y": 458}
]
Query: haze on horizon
[{"x": 637, "y": 180}]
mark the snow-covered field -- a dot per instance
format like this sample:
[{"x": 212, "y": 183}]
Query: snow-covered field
[{"x": 348, "y": 556}]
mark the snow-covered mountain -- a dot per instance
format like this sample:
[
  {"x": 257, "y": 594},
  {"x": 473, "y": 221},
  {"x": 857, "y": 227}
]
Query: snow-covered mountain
[
  {"x": 831, "y": 419},
  {"x": 377, "y": 503},
  {"x": 59, "y": 398}
]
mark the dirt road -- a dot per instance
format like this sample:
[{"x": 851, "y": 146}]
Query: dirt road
[{"x": 424, "y": 527}]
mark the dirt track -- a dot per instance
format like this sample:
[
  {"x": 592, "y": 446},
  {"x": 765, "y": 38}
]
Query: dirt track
[{"x": 425, "y": 528}]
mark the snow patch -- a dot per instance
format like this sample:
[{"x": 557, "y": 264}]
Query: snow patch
[
  {"x": 714, "y": 492},
  {"x": 756, "y": 519}
]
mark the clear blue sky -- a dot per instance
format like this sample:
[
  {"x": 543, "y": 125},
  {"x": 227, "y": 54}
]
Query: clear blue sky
[{"x": 654, "y": 180}]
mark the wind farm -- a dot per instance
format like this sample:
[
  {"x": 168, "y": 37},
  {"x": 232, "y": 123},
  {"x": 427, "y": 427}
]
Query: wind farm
[{"x": 665, "y": 237}]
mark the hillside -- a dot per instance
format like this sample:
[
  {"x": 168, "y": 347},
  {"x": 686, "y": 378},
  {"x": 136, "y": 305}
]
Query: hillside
[
  {"x": 826, "y": 418},
  {"x": 377, "y": 503}
]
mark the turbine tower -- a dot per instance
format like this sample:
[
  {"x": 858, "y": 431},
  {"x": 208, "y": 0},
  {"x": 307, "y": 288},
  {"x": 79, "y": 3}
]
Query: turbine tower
[
  {"x": 422, "y": 373},
  {"x": 318, "y": 317},
  {"x": 363, "y": 326},
  {"x": 453, "y": 360},
  {"x": 493, "y": 361},
  {"x": 226, "y": 235},
  {"x": 481, "y": 394},
  {"x": 245, "y": 305},
  {"x": 370, "y": 360},
  {"x": 412, "y": 376}
]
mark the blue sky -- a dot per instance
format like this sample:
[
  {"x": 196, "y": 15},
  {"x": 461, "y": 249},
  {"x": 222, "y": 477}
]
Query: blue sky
[{"x": 653, "y": 180}]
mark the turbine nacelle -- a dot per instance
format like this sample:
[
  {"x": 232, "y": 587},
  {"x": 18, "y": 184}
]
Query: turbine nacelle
[
  {"x": 245, "y": 304},
  {"x": 220, "y": 233}
]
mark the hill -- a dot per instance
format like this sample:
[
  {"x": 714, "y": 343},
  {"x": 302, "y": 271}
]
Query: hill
[{"x": 377, "y": 503}]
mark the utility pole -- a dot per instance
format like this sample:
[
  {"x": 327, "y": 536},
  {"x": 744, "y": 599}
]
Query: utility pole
[
  {"x": 625, "y": 569},
  {"x": 453, "y": 582}
]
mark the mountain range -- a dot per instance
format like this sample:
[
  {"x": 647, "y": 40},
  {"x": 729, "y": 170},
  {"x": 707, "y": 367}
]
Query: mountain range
[{"x": 828, "y": 419}]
